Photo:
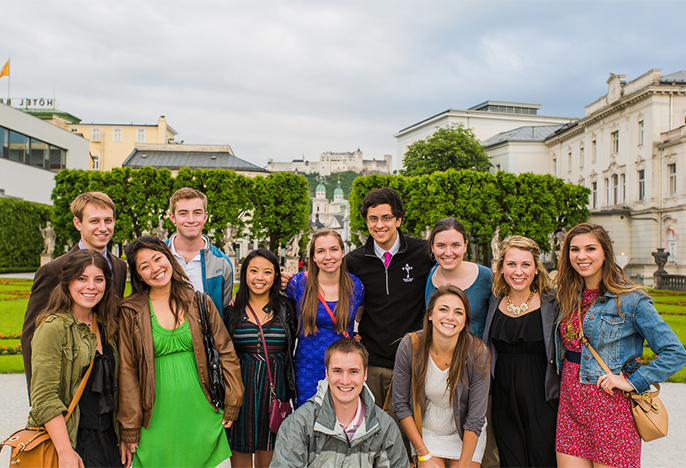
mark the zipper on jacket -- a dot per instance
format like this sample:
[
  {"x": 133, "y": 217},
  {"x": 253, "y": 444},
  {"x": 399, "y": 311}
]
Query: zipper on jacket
[{"x": 386, "y": 268}]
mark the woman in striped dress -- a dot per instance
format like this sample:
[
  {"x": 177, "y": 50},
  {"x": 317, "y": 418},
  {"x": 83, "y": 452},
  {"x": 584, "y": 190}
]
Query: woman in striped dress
[{"x": 258, "y": 301}]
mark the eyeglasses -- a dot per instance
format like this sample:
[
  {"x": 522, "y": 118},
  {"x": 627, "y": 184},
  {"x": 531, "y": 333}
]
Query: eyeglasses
[{"x": 384, "y": 219}]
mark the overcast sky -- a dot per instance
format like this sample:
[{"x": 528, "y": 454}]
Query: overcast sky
[{"x": 283, "y": 79}]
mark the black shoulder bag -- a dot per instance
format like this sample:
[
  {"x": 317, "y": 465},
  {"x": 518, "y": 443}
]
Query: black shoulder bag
[{"x": 214, "y": 367}]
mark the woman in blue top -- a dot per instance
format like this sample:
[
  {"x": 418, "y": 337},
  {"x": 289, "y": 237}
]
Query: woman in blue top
[
  {"x": 448, "y": 244},
  {"x": 327, "y": 301}
]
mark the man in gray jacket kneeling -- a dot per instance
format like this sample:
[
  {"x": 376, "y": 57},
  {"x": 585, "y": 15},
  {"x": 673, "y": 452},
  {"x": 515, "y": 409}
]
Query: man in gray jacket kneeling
[{"x": 340, "y": 426}]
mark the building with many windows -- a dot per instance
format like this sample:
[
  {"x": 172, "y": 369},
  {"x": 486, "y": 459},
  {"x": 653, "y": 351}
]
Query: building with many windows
[
  {"x": 330, "y": 162},
  {"x": 630, "y": 150},
  {"x": 32, "y": 151},
  {"x": 111, "y": 144},
  {"x": 485, "y": 120}
]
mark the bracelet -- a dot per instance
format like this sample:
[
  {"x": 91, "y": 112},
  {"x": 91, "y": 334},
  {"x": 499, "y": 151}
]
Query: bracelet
[
  {"x": 426, "y": 457},
  {"x": 420, "y": 448}
]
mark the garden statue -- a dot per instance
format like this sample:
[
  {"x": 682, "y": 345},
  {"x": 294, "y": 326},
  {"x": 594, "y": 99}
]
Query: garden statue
[{"x": 49, "y": 237}]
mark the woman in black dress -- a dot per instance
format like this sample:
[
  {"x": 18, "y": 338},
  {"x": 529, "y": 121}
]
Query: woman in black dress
[
  {"x": 519, "y": 332},
  {"x": 258, "y": 300}
]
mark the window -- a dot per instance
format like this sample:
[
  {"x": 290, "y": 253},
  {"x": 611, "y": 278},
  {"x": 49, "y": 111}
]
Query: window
[
  {"x": 4, "y": 143},
  {"x": 140, "y": 135},
  {"x": 554, "y": 165},
  {"x": 594, "y": 194},
  {"x": 569, "y": 161},
  {"x": 116, "y": 134},
  {"x": 641, "y": 185},
  {"x": 672, "y": 179},
  {"x": 39, "y": 153},
  {"x": 594, "y": 147},
  {"x": 581, "y": 157},
  {"x": 95, "y": 134},
  {"x": 19, "y": 145},
  {"x": 58, "y": 159},
  {"x": 615, "y": 188},
  {"x": 615, "y": 141},
  {"x": 607, "y": 191},
  {"x": 622, "y": 179},
  {"x": 640, "y": 133},
  {"x": 96, "y": 162}
]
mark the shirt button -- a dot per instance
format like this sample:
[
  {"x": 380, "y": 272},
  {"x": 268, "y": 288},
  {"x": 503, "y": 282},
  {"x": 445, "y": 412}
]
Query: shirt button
[
  {"x": 591, "y": 317},
  {"x": 587, "y": 379},
  {"x": 612, "y": 320},
  {"x": 586, "y": 357}
]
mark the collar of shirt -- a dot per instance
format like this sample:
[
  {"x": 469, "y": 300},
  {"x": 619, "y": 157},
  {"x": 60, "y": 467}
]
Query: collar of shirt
[
  {"x": 172, "y": 247},
  {"x": 82, "y": 246},
  {"x": 378, "y": 251},
  {"x": 357, "y": 420}
]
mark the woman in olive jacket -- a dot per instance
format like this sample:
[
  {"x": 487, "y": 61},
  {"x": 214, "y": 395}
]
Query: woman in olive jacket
[{"x": 162, "y": 388}]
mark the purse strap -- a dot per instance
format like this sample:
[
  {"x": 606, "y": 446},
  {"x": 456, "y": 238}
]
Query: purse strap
[
  {"x": 328, "y": 309},
  {"x": 84, "y": 380},
  {"x": 264, "y": 345},
  {"x": 605, "y": 367}
]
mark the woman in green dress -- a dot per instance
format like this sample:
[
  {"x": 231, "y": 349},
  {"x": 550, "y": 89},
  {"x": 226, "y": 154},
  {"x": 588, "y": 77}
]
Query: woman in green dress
[{"x": 165, "y": 410}]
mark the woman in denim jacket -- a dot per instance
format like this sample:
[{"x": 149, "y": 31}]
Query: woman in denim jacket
[{"x": 595, "y": 425}]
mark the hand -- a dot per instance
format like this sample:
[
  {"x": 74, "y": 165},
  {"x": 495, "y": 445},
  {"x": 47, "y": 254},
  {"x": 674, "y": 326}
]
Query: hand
[
  {"x": 126, "y": 455},
  {"x": 227, "y": 424},
  {"x": 285, "y": 278},
  {"x": 357, "y": 337},
  {"x": 69, "y": 459},
  {"x": 608, "y": 382},
  {"x": 431, "y": 463}
]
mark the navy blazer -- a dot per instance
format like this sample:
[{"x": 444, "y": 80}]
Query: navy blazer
[{"x": 549, "y": 312}]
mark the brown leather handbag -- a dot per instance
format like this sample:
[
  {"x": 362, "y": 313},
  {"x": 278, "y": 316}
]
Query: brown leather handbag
[
  {"x": 650, "y": 414},
  {"x": 32, "y": 446}
]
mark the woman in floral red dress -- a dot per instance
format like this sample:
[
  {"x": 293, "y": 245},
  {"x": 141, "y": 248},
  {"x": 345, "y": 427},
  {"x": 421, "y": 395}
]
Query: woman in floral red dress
[{"x": 595, "y": 426}]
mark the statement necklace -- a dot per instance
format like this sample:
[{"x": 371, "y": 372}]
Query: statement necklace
[{"x": 514, "y": 310}]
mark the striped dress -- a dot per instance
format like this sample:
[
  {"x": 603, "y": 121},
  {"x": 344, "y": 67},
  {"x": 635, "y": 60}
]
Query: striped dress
[{"x": 250, "y": 432}]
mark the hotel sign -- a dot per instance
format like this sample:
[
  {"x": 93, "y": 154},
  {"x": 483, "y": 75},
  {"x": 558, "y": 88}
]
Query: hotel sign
[{"x": 44, "y": 103}]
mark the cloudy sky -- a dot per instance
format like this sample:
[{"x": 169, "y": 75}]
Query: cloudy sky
[{"x": 283, "y": 79}]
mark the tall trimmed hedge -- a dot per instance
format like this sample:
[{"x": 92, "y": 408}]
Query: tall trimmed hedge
[
  {"x": 141, "y": 197},
  {"x": 528, "y": 204},
  {"x": 21, "y": 242}
]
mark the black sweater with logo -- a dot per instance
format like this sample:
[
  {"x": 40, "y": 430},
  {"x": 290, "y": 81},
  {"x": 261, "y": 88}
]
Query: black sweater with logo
[{"x": 394, "y": 300}]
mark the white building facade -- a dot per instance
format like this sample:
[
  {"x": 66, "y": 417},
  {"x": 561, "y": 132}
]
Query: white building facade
[
  {"x": 331, "y": 162},
  {"x": 32, "y": 152},
  {"x": 485, "y": 120}
]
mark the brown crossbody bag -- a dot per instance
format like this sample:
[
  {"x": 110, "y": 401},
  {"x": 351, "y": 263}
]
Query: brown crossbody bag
[{"x": 32, "y": 446}]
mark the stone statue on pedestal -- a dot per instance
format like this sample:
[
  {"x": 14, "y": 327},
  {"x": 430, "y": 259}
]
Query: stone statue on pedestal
[{"x": 49, "y": 238}]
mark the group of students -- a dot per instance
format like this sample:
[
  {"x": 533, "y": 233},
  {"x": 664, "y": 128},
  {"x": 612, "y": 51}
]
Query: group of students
[{"x": 449, "y": 334}]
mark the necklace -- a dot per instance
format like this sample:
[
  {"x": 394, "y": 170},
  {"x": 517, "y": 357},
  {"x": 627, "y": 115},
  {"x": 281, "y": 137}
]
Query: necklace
[{"x": 514, "y": 310}]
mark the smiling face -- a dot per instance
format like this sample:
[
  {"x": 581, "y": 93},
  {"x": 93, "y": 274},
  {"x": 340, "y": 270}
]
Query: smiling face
[
  {"x": 519, "y": 269},
  {"x": 96, "y": 226},
  {"x": 448, "y": 316},
  {"x": 189, "y": 218},
  {"x": 87, "y": 290},
  {"x": 259, "y": 276},
  {"x": 587, "y": 258},
  {"x": 346, "y": 375},
  {"x": 154, "y": 268},
  {"x": 383, "y": 225},
  {"x": 449, "y": 248},
  {"x": 328, "y": 253}
]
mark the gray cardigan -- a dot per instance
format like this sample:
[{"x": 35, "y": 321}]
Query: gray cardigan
[
  {"x": 470, "y": 400},
  {"x": 548, "y": 319}
]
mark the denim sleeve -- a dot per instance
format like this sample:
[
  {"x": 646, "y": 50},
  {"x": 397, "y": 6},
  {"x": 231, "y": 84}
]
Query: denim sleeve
[
  {"x": 669, "y": 352},
  {"x": 402, "y": 379}
]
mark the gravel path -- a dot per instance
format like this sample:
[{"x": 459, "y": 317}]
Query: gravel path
[{"x": 665, "y": 452}]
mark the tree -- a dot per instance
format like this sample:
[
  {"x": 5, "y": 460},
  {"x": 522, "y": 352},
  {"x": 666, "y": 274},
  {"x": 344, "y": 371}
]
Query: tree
[
  {"x": 280, "y": 203},
  {"x": 452, "y": 147}
]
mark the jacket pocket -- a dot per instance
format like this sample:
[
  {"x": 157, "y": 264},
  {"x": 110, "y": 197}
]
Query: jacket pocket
[{"x": 610, "y": 325}]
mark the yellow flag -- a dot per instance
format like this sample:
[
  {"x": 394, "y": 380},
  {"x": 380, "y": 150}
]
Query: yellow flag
[{"x": 5, "y": 70}]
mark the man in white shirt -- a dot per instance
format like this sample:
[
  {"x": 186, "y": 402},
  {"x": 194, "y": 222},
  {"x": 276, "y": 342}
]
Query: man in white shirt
[{"x": 207, "y": 267}]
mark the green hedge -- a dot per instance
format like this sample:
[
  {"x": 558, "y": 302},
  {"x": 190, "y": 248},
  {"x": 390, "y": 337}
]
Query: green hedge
[{"x": 21, "y": 242}]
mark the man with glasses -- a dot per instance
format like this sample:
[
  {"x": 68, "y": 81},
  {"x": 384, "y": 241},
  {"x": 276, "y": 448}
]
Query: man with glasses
[{"x": 393, "y": 268}]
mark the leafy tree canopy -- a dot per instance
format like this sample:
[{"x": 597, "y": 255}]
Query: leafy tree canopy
[{"x": 452, "y": 147}]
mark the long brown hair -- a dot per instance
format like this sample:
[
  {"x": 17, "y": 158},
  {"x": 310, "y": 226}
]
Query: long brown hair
[
  {"x": 310, "y": 300},
  {"x": 540, "y": 284},
  {"x": 181, "y": 291},
  {"x": 61, "y": 300},
  {"x": 467, "y": 346},
  {"x": 570, "y": 283}
]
